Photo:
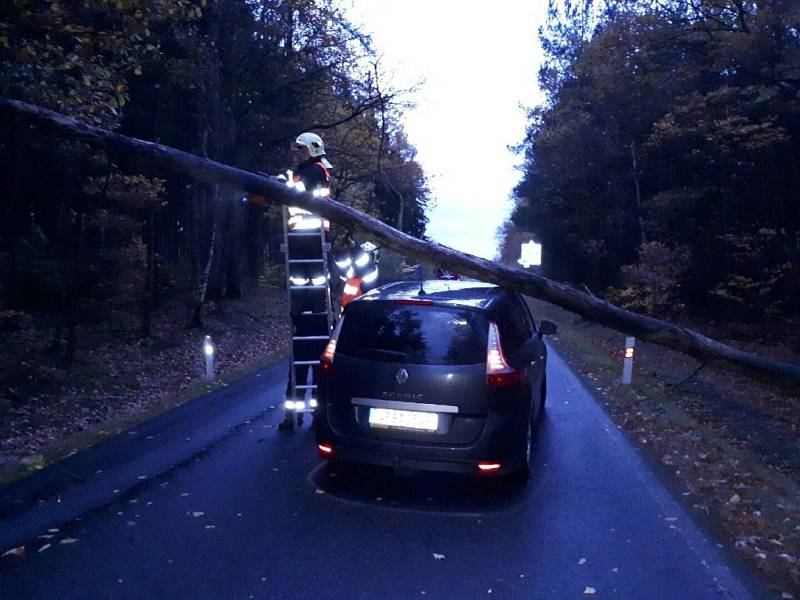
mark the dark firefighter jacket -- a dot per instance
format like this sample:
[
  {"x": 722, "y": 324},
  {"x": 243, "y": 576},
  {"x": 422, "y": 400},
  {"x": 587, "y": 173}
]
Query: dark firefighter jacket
[{"x": 313, "y": 173}]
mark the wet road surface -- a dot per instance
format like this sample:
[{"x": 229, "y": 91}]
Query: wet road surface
[{"x": 216, "y": 503}]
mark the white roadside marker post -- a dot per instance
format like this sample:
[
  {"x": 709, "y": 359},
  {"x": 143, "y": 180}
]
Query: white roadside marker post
[
  {"x": 627, "y": 367},
  {"x": 208, "y": 351}
]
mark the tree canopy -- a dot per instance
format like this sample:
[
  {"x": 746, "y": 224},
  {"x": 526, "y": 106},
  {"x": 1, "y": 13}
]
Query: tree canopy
[
  {"x": 662, "y": 170},
  {"x": 85, "y": 236}
]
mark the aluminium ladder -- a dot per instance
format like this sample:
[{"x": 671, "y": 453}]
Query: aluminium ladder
[{"x": 306, "y": 254}]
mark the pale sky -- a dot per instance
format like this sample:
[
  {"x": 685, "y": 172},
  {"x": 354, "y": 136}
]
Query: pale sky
[{"x": 479, "y": 61}]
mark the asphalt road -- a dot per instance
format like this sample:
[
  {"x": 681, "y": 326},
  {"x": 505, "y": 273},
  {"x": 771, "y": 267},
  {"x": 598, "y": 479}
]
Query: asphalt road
[{"x": 213, "y": 502}]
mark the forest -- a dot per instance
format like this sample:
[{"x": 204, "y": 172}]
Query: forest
[
  {"x": 662, "y": 171},
  {"x": 86, "y": 239}
]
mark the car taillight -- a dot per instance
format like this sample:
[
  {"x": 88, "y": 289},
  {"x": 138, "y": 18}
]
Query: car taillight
[
  {"x": 488, "y": 467},
  {"x": 498, "y": 372},
  {"x": 326, "y": 360}
]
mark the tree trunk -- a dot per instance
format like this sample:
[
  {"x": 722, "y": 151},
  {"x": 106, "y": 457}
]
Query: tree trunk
[
  {"x": 205, "y": 274},
  {"x": 638, "y": 192},
  {"x": 150, "y": 272},
  {"x": 233, "y": 247},
  {"x": 12, "y": 219},
  {"x": 646, "y": 328}
]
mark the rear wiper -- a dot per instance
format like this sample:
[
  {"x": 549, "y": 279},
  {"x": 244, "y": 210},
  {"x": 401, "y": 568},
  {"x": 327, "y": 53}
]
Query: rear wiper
[{"x": 383, "y": 351}]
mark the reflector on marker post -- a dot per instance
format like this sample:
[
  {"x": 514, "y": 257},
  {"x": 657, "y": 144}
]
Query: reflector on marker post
[
  {"x": 208, "y": 351},
  {"x": 627, "y": 367}
]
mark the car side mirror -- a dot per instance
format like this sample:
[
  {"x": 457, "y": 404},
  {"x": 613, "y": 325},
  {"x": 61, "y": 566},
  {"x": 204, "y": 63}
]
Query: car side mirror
[{"x": 547, "y": 328}]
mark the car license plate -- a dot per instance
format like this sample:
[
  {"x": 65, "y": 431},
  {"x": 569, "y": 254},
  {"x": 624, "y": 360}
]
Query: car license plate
[{"x": 403, "y": 419}]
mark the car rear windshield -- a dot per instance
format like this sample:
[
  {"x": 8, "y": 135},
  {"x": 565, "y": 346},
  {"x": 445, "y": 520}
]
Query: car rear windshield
[{"x": 415, "y": 334}]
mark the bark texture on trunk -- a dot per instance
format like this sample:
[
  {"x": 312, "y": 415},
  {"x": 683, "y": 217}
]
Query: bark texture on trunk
[{"x": 645, "y": 328}]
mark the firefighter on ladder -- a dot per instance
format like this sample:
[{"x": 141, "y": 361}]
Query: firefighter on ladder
[{"x": 311, "y": 174}]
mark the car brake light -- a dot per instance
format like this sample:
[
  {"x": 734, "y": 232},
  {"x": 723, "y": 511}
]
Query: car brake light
[
  {"x": 487, "y": 467},
  {"x": 498, "y": 372},
  {"x": 325, "y": 449},
  {"x": 326, "y": 360}
]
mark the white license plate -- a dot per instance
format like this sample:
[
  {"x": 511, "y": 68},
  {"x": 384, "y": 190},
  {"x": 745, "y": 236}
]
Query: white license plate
[{"x": 403, "y": 419}]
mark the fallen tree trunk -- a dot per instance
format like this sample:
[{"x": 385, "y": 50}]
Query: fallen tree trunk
[{"x": 645, "y": 328}]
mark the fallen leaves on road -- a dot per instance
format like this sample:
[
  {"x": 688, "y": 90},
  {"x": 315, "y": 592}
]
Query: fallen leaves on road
[
  {"x": 45, "y": 547},
  {"x": 319, "y": 491},
  {"x": 68, "y": 541},
  {"x": 197, "y": 513},
  {"x": 589, "y": 591},
  {"x": 582, "y": 561},
  {"x": 727, "y": 442},
  {"x": 19, "y": 552},
  {"x": 33, "y": 462},
  {"x": 437, "y": 556}
]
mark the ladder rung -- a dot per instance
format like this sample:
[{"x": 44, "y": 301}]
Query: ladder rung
[
  {"x": 305, "y": 260},
  {"x": 306, "y": 362},
  {"x": 305, "y": 387},
  {"x": 311, "y": 337}
]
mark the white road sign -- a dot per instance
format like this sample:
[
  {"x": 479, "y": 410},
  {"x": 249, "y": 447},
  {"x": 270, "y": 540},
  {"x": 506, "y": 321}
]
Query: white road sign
[{"x": 530, "y": 254}]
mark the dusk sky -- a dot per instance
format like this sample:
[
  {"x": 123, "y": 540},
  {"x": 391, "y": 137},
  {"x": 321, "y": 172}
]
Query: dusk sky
[{"x": 479, "y": 67}]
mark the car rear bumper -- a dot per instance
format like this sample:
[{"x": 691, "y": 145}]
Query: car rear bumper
[{"x": 500, "y": 442}]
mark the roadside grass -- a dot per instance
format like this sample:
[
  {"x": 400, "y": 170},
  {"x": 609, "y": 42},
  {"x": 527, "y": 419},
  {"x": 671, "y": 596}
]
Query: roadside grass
[
  {"x": 726, "y": 446},
  {"x": 77, "y": 442},
  {"x": 49, "y": 412}
]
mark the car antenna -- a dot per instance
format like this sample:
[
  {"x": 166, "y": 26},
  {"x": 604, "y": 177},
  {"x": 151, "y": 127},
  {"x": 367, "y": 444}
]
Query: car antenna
[{"x": 421, "y": 291}]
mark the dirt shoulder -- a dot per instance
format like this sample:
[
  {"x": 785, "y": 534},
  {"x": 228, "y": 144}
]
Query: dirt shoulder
[
  {"x": 730, "y": 447},
  {"x": 48, "y": 411}
]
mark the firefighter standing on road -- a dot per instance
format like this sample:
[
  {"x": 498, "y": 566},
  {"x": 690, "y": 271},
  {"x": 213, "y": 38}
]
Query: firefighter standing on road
[{"x": 358, "y": 267}]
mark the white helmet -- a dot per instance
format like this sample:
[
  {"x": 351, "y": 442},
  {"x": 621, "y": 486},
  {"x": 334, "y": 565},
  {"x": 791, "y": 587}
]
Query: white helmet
[{"x": 312, "y": 142}]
